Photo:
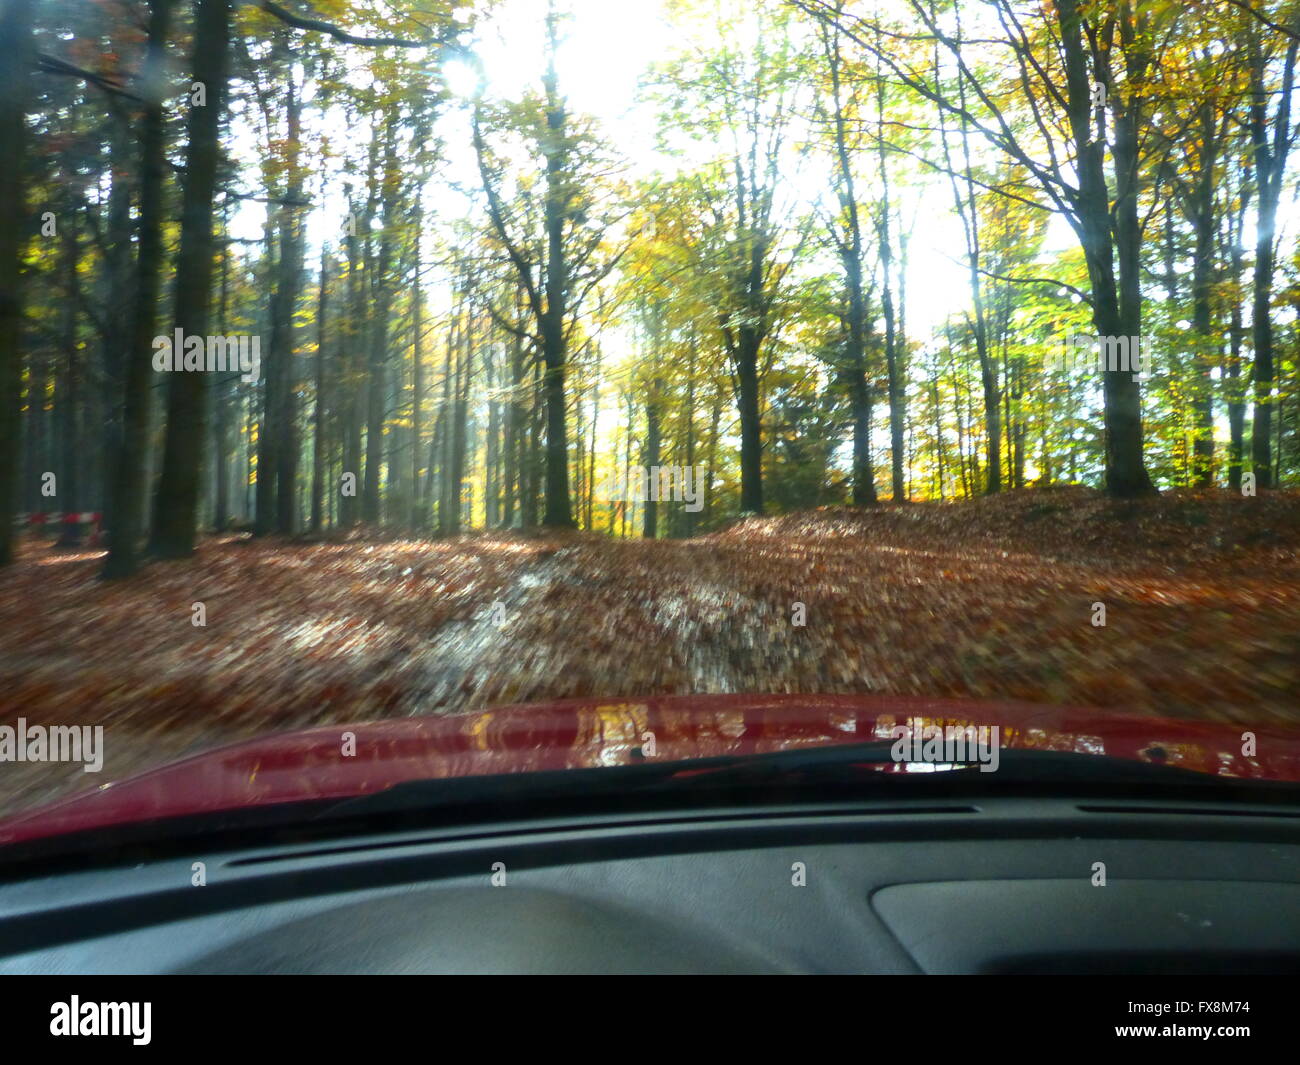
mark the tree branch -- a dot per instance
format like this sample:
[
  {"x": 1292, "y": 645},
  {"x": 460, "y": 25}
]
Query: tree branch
[
  {"x": 303, "y": 22},
  {"x": 53, "y": 65},
  {"x": 1040, "y": 281},
  {"x": 1261, "y": 17}
]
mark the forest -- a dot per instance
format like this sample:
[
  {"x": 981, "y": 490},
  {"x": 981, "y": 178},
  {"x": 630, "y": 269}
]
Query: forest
[
  {"x": 283, "y": 282},
  {"x": 840, "y": 256}
]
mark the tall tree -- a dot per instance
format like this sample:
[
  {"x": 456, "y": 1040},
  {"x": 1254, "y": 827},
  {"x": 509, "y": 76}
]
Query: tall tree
[
  {"x": 846, "y": 233},
  {"x": 175, "y": 520},
  {"x": 744, "y": 98},
  {"x": 556, "y": 256},
  {"x": 961, "y": 175},
  {"x": 1271, "y": 137},
  {"x": 17, "y": 61},
  {"x": 1050, "y": 113}
]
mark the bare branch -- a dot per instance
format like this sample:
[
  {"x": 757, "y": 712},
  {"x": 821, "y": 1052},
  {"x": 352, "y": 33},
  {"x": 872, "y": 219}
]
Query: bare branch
[
  {"x": 303, "y": 22},
  {"x": 53, "y": 65}
]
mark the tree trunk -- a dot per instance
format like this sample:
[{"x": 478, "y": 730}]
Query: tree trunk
[
  {"x": 17, "y": 62},
  {"x": 492, "y": 444},
  {"x": 381, "y": 303},
  {"x": 1235, "y": 388},
  {"x": 285, "y": 429},
  {"x": 319, "y": 445},
  {"x": 276, "y": 446},
  {"x": 446, "y": 416},
  {"x": 67, "y": 398},
  {"x": 967, "y": 210},
  {"x": 417, "y": 381},
  {"x": 1203, "y": 225},
  {"x": 531, "y": 460},
  {"x": 176, "y": 501},
  {"x": 350, "y": 362},
  {"x": 1199, "y": 204},
  {"x": 850, "y": 247},
  {"x": 653, "y": 439},
  {"x": 128, "y": 485},
  {"x": 751, "y": 433},
  {"x": 1117, "y": 308},
  {"x": 559, "y": 511},
  {"x": 893, "y": 342},
  {"x": 1270, "y": 153},
  {"x": 460, "y": 409}
]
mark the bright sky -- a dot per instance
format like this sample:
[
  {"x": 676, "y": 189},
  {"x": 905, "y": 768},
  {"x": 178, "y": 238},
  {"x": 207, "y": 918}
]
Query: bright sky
[{"x": 608, "y": 47}]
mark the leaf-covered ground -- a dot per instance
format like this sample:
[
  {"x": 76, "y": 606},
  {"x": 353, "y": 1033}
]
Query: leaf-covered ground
[{"x": 989, "y": 599}]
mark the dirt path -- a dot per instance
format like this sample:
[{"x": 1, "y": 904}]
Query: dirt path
[{"x": 990, "y": 601}]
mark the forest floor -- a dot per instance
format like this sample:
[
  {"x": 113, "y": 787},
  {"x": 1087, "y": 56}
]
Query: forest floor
[{"x": 988, "y": 599}]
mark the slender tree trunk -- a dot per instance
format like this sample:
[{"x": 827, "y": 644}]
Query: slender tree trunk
[
  {"x": 492, "y": 443},
  {"x": 938, "y": 432},
  {"x": 591, "y": 457},
  {"x": 991, "y": 391},
  {"x": 117, "y": 335},
  {"x": 460, "y": 408},
  {"x": 893, "y": 343},
  {"x": 277, "y": 460},
  {"x": 1202, "y": 326},
  {"x": 350, "y": 363},
  {"x": 417, "y": 380},
  {"x": 531, "y": 461},
  {"x": 1201, "y": 214},
  {"x": 128, "y": 485},
  {"x": 559, "y": 511},
  {"x": 653, "y": 440},
  {"x": 1270, "y": 152},
  {"x": 1236, "y": 389},
  {"x": 627, "y": 464},
  {"x": 17, "y": 64},
  {"x": 1013, "y": 473},
  {"x": 715, "y": 421},
  {"x": 850, "y": 247},
  {"x": 221, "y": 406},
  {"x": 320, "y": 446},
  {"x": 962, "y": 466},
  {"x": 381, "y": 304},
  {"x": 751, "y": 433},
  {"x": 516, "y": 418},
  {"x": 68, "y": 398},
  {"x": 376, "y": 392},
  {"x": 446, "y": 418},
  {"x": 967, "y": 211},
  {"x": 32, "y": 442},
  {"x": 287, "y": 293},
  {"x": 176, "y": 501}
]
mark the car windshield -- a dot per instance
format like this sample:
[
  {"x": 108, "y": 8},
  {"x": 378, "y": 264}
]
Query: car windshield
[{"x": 499, "y": 386}]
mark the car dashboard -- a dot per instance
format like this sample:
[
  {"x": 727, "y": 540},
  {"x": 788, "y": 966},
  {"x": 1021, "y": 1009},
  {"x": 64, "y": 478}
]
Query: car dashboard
[{"x": 1016, "y": 885}]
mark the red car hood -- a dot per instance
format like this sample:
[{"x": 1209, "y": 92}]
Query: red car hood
[{"x": 312, "y": 764}]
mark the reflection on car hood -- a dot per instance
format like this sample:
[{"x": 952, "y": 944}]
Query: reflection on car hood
[{"x": 335, "y": 762}]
